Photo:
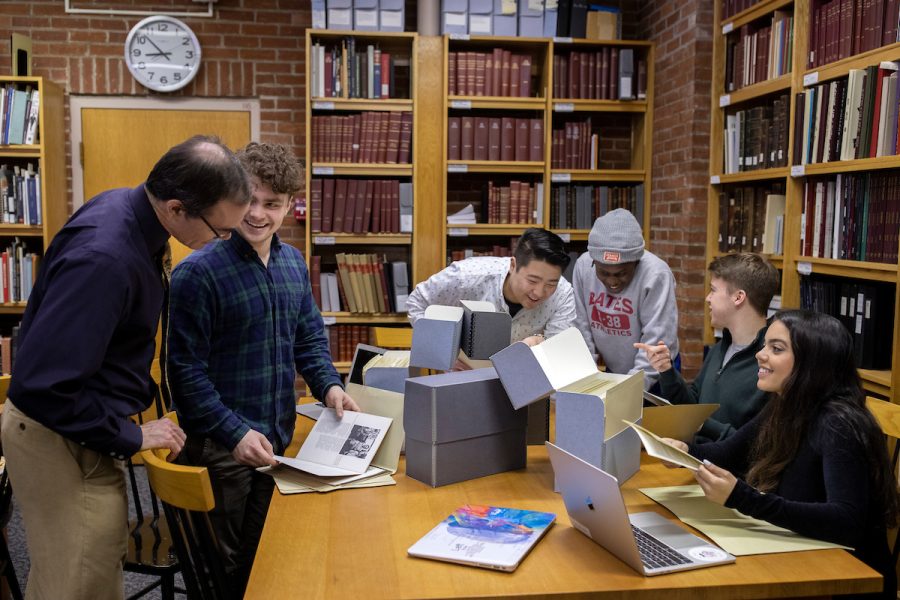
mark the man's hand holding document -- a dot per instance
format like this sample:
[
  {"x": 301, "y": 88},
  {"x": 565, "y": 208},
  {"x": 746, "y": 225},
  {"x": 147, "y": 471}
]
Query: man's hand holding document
[
  {"x": 658, "y": 448},
  {"x": 340, "y": 447}
]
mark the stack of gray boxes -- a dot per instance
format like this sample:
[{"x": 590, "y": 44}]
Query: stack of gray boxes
[
  {"x": 510, "y": 18},
  {"x": 459, "y": 426},
  {"x": 358, "y": 15}
]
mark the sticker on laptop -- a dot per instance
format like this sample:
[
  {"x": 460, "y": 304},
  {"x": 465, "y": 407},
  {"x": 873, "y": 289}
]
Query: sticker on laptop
[{"x": 707, "y": 553}]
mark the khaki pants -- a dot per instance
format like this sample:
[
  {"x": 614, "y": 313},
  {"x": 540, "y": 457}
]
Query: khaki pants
[{"x": 75, "y": 510}]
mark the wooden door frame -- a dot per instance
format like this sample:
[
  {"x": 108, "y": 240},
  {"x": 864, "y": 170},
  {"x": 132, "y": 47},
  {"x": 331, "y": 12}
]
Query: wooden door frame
[{"x": 78, "y": 103}]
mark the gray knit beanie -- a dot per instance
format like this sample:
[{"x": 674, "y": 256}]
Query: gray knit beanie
[{"x": 616, "y": 238}]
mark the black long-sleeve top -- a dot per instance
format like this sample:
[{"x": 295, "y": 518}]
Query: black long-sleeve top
[
  {"x": 824, "y": 493},
  {"x": 87, "y": 336}
]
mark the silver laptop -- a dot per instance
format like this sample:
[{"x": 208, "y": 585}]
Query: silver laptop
[{"x": 647, "y": 542}]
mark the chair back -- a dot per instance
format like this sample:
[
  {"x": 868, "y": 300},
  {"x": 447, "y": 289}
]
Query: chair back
[
  {"x": 187, "y": 498},
  {"x": 888, "y": 416}
]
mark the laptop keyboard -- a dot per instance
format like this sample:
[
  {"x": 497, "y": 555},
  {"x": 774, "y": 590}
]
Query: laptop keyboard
[{"x": 655, "y": 554}]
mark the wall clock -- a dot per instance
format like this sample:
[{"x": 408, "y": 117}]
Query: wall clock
[{"x": 162, "y": 53}]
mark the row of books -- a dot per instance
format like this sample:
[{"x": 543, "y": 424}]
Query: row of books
[
  {"x": 494, "y": 250},
  {"x": 865, "y": 309},
  {"x": 360, "y": 206},
  {"x": 849, "y": 118},
  {"x": 733, "y": 7},
  {"x": 757, "y": 137},
  {"x": 605, "y": 74},
  {"x": 513, "y": 204},
  {"x": 8, "y": 346},
  {"x": 495, "y": 138},
  {"x": 842, "y": 28},
  {"x": 20, "y": 195},
  {"x": 759, "y": 52},
  {"x": 342, "y": 71},
  {"x": 751, "y": 219},
  {"x": 342, "y": 340},
  {"x": 578, "y": 206},
  {"x": 19, "y": 111},
  {"x": 852, "y": 216},
  {"x": 362, "y": 283},
  {"x": 495, "y": 73},
  {"x": 367, "y": 137},
  {"x": 18, "y": 271},
  {"x": 575, "y": 146}
]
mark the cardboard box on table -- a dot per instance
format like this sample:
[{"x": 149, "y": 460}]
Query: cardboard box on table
[
  {"x": 459, "y": 426},
  {"x": 436, "y": 338},
  {"x": 590, "y": 405},
  {"x": 392, "y": 378}
]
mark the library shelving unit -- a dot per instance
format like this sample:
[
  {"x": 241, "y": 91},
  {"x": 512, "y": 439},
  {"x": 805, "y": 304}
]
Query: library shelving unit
[
  {"x": 471, "y": 175},
  {"x": 797, "y": 262},
  {"x": 339, "y": 105},
  {"x": 46, "y": 157}
]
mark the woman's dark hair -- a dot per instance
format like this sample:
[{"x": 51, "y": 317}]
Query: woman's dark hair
[
  {"x": 824, "y": 378},
  {"x": 543, "y": 245},
  {"x": 199, "y": 172}
]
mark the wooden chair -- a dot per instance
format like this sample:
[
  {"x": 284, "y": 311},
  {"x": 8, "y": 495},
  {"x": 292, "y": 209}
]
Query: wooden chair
[
  {"x": 7, "y": 569},
  {"x": 187, "y": 498},
  {"x": 151, "y": 550},
  {"x": 888, "y": 416}
]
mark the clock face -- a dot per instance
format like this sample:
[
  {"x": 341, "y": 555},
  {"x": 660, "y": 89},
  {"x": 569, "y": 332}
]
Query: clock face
[{"x": 162, "y": 53}]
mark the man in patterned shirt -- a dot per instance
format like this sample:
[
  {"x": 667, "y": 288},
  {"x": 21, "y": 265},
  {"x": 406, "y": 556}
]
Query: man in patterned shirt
[
  {"x": 529, "y": 286},
  {"x": 242, "y": 319}
]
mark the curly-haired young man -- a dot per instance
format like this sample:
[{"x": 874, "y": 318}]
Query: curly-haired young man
[{"x": 242, "y": 323}]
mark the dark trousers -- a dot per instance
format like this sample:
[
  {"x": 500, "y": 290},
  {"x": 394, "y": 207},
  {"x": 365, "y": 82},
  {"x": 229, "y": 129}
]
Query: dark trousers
[{"x": 242, "y": 500}]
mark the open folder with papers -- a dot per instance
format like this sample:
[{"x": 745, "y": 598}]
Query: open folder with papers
[
  {"x": 657, "y": 448},
  {"x": 677, "y": 421}
]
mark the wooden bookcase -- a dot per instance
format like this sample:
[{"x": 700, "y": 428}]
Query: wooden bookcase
[
  {"x": 632, "y": 146},
  {"x": 792, "y": 262},
  {"x": 395, "y": 246},
  {"x": 47, "y": 155}
]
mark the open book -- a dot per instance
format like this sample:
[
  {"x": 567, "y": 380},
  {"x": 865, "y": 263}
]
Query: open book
[
  {"x": 340, "y": 447},
  {"x": 657, "y": 448}
]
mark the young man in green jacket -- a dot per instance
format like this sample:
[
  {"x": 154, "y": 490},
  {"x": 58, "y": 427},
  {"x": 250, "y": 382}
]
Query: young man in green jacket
[{"x": 741, "y": 288}]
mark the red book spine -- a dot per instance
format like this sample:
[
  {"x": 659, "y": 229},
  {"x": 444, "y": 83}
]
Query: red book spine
[
  {"x": 536, "y": 140},
  {"x": 406, "y": 120},
  {"x": 315, "y": 279},
  {"x": 327, "y": 204}
]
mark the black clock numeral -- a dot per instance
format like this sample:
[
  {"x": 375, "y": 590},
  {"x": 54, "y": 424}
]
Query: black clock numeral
[
  {"x": 189, "y": 54},
  {"x": 163, "y": 26},
  {"x": 142, "y": 65},
  {"x": 163, "y": 80},
  {"x": 177, "y": 76},
  {"x": 151, "y": 74},
  {"x": 136, "y": 52},
  {"x": 185, "y": 41},
  {"x": 142, "y": 39}
]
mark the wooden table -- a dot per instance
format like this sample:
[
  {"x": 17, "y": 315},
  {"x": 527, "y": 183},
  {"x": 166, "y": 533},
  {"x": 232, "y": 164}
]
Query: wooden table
[{"x": 352, "y": 544}]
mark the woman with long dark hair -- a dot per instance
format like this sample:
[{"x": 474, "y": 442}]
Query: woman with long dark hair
[{"x": 814, "y": 460}]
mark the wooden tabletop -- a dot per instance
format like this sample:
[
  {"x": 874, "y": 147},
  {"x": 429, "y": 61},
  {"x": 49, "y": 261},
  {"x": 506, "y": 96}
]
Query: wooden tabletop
[{"x": 353, "y": 543}]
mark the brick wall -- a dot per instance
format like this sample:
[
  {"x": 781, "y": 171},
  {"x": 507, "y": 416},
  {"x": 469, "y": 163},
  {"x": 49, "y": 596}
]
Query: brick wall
[
  {"x": 682, "y": 30},
  {"x": 251, "y": 48}
]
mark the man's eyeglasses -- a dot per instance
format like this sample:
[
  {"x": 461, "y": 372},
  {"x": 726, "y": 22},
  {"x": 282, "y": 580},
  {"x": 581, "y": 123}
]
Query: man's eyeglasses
[{"x": 219, "y": 236}]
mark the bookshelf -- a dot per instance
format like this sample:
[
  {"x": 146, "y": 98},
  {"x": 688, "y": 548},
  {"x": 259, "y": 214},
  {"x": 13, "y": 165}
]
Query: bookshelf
[
  {"x": 47, "y": 158},
  {"x": 802, "y": 179},
  {"x": 471, "y": 94},
  {"x": 360, "y": 152}
]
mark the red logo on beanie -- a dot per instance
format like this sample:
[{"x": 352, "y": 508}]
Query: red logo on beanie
[{"x": 611, "y": 257}]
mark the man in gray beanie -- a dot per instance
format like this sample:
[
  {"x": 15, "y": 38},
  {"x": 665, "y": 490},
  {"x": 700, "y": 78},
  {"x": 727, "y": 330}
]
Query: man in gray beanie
[{"x": 623, "y": 295}]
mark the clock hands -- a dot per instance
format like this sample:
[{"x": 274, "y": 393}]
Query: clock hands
[{"x": 161, "y": 51}]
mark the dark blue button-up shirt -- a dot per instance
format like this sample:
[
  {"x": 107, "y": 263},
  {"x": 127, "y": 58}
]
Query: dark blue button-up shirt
[
  {"x": 237, "y": 331},
  {"x": 87, "y": 336}
]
